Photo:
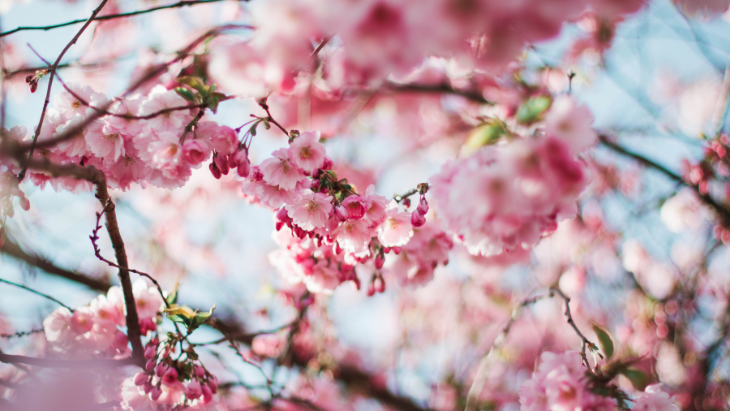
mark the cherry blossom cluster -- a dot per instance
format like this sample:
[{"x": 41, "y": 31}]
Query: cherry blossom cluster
[
  {"x": 561, "y": 383},
  {"x": 329, "y": 227},
  {"x": 167, "y": 383},
  {"x": 512, "y": 194},
  {"x": 144, "y": 139},
  {"x": 94, "y": 328},
  {"x": 373, "y": 39}
]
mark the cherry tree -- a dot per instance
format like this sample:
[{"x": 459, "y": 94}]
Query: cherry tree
[{"x": 364, "y": 205}]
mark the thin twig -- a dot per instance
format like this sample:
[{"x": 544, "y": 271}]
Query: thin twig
[
  {"x": 46, "y": 296},
  {"x": 442, "y": 88},
  {"x": 721, "y": 210},
  {"x": 265, "y": 106},
  {"x": 149, "y": 75},
  {"x": 111, "y": 16},
  {"x": 585, "y": 343},
  {"x": 21, "y": 333},
  {"x": 481, "y": 375},
  {"x": 47, "y": 100}
]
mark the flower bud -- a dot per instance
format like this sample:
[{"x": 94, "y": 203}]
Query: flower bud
[
  {"x": 170, "y": 377},
  {"x": 406, "y": 202},
  {"x": 371, "y": 289},
  {"x": 199, "y": 371},
  {"x": 147, "y": 386},
  {"x": 327, "y": 165},
  {"x": 24, "y": 203},
  {"x": 282, "y": 215},
  {"x": 355, "y": 207},
  {"x": 244, "y": 168},
  {"x": 140, "y": 379},
  {"x": 155, "y": 393},
  {"x": 207, "y": 393},
  {"x": 213, "y": 384},
  {"x": 214, "y": 170},
  {"x": 222, "y": 162},
  {"x": 417, "y": 219},
  {"x": 423, "y": 205},
  {"x": 279, "y": 225},
  {"x": 379, "y": 284},
  {"x": 193, "y": 390},
  {"x": 379, "y": 261},
  {"x": 341, "y": 213},
  {"x": 195, "y": 151},
  {"x": 150, "y": 365},
  {"x": 396, "y": 250},
  {"x": 315, "y": 185},
  {"x": 150, "y": 352},
  {"x": 161, "y": 369}
]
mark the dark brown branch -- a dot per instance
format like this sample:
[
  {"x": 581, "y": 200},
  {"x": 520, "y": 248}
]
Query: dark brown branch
[
  {"x": 15, "y": 251},
  {"x": 442, "y": 88},
  {"x": 265, "y": 106},
  {"x": 720, "y": 209},
  {"x": 111, "y": 16},
  {"x": 98, "y": 178},
  {"x": 47, "y": 100},
  {"x": 67, "y": 364}
]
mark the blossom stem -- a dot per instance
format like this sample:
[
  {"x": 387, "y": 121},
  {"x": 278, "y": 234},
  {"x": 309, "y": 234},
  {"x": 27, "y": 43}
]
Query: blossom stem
[{"x": 46, "y": 296}]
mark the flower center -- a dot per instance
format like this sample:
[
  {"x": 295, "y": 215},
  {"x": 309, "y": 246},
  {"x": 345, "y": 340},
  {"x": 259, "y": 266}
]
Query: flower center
[
  {"x": 305, "y": 152},
  {"x": 311, "y": 206}
]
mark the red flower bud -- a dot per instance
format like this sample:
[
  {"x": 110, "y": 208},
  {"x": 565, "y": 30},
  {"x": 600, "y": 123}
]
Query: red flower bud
[
  {"x": 214, "y": 170},
  {"x": 423, "y": 205},
  {"x": 379, "y": 261},
  {"x": 417, "y": 219}
]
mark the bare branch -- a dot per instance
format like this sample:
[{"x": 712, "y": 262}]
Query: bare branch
[
  {"x": 111, "y": 16},
  {"x": 66, "y": 364},
  {"x": 442, "y": 88},
  {"x": 46, "y": 296},
  {"x": 47, "y": 100}
]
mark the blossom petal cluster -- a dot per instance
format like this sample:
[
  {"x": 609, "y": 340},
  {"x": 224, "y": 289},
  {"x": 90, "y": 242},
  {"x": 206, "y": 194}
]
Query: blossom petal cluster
[{"x": 95, "y": 327}]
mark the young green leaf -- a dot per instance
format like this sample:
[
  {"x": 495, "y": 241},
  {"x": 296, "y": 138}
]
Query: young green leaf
[{"x": 604, "y": 340}]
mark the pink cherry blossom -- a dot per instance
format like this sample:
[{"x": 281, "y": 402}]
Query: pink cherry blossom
[
  {"x": 280, "y": 170},
  {"x": 306, "y": 151},
  {"x": 654, "y": 399},
  {"x": 311, "y": 210},
  {"x": 148, "y": 299},
  {"x": 104, "y": 141},
  {"x": 571, "y": 122},
  {"x": 161, "y": 99},
  {"x": 396, "y": 230},
  {"x": 57, "y": 327}
]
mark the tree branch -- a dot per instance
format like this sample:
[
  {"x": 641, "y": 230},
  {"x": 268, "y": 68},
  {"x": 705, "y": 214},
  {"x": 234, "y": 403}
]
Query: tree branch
[
  {"x": 443, "y": 88},
  {"x": 111, "y": 16},
  {"x": 14, "y": 250},
  {"x": 720, "y": 209},
  {"x": 21, "y": 176},
  {"x": 67, "y": 364}
]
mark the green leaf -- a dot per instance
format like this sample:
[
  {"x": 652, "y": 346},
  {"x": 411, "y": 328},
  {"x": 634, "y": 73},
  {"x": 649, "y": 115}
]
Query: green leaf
[
  {"x": 195, "y": 83},
  {"x": 533, "y": 109},
  {"x": 604, "y": 340},
  {"x": 186, "y": 94},
  {"x": 486, "y": 134},
  {"x": 637, "y": 377}
]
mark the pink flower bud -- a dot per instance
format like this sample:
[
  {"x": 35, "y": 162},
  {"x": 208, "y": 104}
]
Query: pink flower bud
[
  {"x": 193, "y": 390},
  {"x": 371, "y": 289},
  {"x": 207, "y": 393},
  {"x": 327, "y": 165},
  {"x": 195, "y": 151},
  {"x": 150, "y": 352},
  {"x": 256, "y": 174},
  {"x": 355, "y": 207},
  {"x": 279, "y": 225},
  {"x": 386, "y": 250},
  {"x": 423, "y": 205},
  {"x": 379, "y": 284},
  {"x": 214, "y": 170},
  {"x": 170, "y": 377},
  {"x": 341, "y": 213},
  {"x": 161, "y": 369},
  {"x": 199, "y": 371},
  {"x": 406, "y": 202},
  {"x": 150, "y": 365},
  {"x": 155, "y": 393},
  {"x": 244, "y": 168},
  {"x": 315, "y": 185},
  {"x": 140, "y": 379},
  {"x": 282, "y": 215},
  {"x": 396, "y": 250},
  {"x": 24, "y": 203},
  {"x": 147, "y": 386},
  {"x": 213, "y": 384},
  {"x": 222, "y": 162},
  {"x": 379, "y": 261},
  {"x": 417, "y": 219}
]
